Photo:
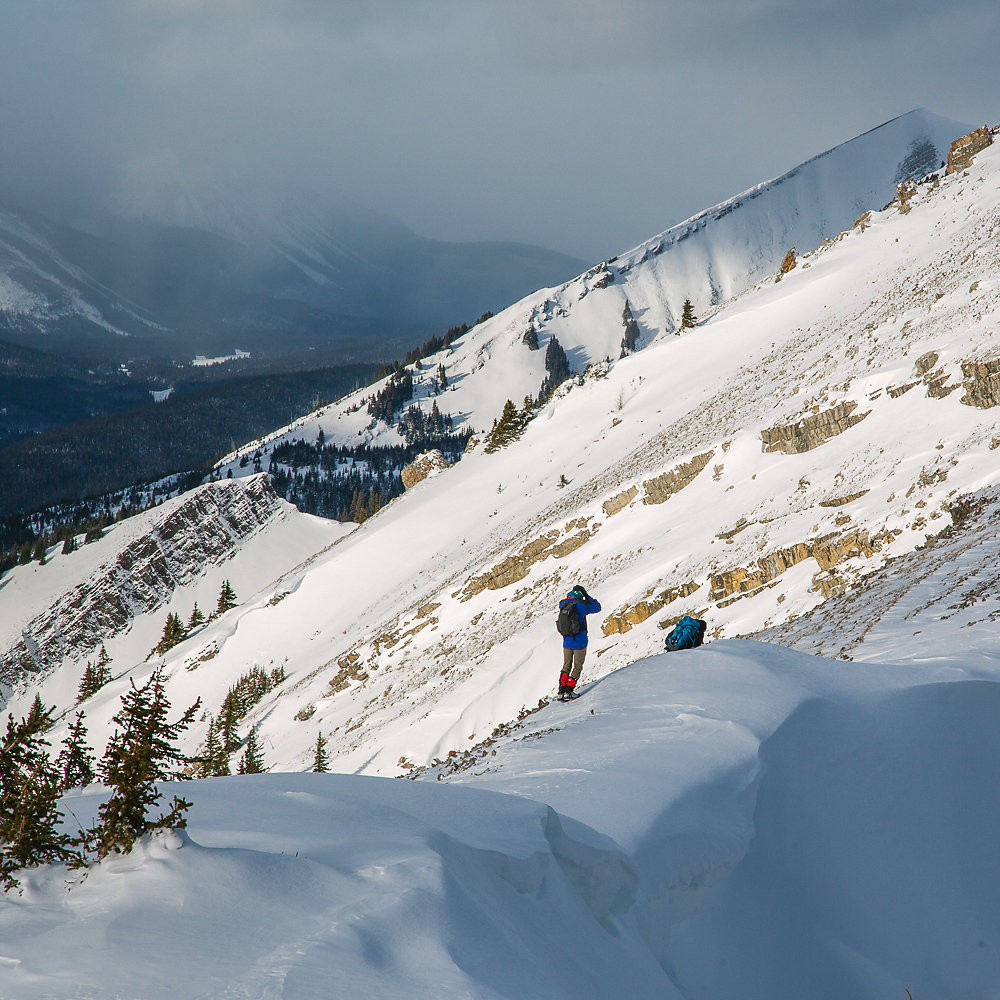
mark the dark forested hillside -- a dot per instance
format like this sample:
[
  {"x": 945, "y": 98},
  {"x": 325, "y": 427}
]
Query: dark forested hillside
[{"x": 106, "y": 453}]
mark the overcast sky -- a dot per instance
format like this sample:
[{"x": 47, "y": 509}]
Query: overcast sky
[{"x": 584, "y": 126}]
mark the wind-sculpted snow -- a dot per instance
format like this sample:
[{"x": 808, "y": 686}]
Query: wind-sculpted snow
[{"x": 738, "y": 820}]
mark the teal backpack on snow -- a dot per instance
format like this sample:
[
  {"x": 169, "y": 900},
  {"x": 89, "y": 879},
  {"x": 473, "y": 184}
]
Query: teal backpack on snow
[{"x": 686, "y": 634}]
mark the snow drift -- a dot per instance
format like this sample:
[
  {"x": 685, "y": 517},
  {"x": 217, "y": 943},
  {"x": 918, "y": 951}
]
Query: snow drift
[{"x": 739, "y": 820}]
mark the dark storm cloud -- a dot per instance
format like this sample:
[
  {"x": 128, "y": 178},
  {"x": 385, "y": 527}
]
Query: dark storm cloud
[{"x": 582, "y": 125}]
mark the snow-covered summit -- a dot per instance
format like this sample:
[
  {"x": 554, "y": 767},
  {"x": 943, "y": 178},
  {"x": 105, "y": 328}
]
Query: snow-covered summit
[{"x": 709, "y": 259}]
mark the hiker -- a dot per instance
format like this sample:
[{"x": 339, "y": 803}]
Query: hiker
[{"x": 572, "y": 625}]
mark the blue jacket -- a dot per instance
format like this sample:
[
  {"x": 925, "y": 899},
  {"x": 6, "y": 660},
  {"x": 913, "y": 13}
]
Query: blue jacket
[{"x": 591, "y": 607}]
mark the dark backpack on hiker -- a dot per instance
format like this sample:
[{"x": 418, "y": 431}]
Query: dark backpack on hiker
[
  {"x": 686, "y": 634},
  {"x": 570, "y": 621}
]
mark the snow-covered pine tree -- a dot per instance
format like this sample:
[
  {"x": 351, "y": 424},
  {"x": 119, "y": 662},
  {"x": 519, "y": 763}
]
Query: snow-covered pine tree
[
  {"x": 557, "y": 365},
  {"x": 39, "y": 717},
  {"x": 139, "y": 754},
  {"x": 95, "y": 676},
  {"x": 214, "y": 758},
  {"x": 228, "y": 721},
  {"x": 173, "y": 633}
]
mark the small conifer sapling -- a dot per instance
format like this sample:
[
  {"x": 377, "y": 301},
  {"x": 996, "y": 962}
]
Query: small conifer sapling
[{"x": 321, "y": 762}]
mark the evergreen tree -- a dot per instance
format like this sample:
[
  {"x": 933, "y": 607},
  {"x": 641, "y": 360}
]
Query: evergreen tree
[
  {"x": 557, "y": 365},
  {"x": 29, "y": 797},
  {"x": 139, "y": 754},
  {"x": 95, "y": 676},
  {"x": 76, "y": 760},
  {"x": 320, "y": 759},
  {"x": 197, "y": 618},
  {"x": 530, "y": 337},
  {"x": 173, "y": 633},
  {"x": 227, "y": 599},
  {"x": 69, "y": 545},
  {"x": 87, "y": 686},
  {"x": 229, "y": 718},
  {"x": 214, "y": 759},
  {"x": 39, "y": 550},
  {"x": 688, "y": 318},
  {"x": 631, "y": 338},
  {"x": 252, "y": 761},
  {"x": 39, "y": 717},
  {"x": 505, "y": 429}
]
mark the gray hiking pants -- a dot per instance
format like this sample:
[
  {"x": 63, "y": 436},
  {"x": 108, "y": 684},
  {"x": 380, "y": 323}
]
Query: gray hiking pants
[{"x": 573, "y": 661}]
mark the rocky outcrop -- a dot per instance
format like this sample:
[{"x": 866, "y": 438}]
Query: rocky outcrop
[
  {"x": 207, "y": 527},
  {"x": 422, "y": 466},
  {"x": 516, "y": 567},
  {"x": 350, "y": 669},
  {"x": 982, "y": 383},
  {"x": 620, "y": 501},
  {"x": 788, "y": 264},
  {"x": 840, "y": 501},
  {"x": 747, "y": 580},
  {"x": 963, "y": 150},
  {"x": 635, "y": 614},
  {"x": 936, "y": 379},
  {"x": 663, "y": 487},
  {"x": 829, "y": 551},
  {"x": 812, "y": 431}
]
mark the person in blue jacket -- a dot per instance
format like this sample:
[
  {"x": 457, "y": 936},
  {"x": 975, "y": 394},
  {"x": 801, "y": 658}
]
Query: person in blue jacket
[{"x": 575, "y": 646}]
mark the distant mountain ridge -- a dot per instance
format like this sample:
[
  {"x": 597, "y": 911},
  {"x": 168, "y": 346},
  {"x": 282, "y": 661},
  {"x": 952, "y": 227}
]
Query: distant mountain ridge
[{"x": 114, "y": 287}]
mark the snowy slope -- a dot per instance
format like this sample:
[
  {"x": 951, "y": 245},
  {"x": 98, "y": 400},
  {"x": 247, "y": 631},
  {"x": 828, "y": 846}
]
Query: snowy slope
[
  {"x": 432, "y": 622},
  {"x": 708, "y": 259},
  {"x": 740, "y": 820}
]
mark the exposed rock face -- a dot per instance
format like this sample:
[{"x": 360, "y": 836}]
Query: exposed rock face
[
  {"x": 812, "y": 431},
  {"x": 208, "y": 527},
  {"x": 517, "y": 566},
  {"x": 744, "y": 580},
  {"x": 963, "y": 150},
  {"x": 663, "y": 487},
  {"x": 788, "y": 264},
  {"x": 828, "y": 551},
  {"x": 635, "y": 614},
  {"x": 620, "y": 501},
  {"x": 982, "y": 383},
  {"x": 422, "y": 466},
  {"x": 840, "y": 501}
]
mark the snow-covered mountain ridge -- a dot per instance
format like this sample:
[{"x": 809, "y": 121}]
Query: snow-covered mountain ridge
[
  {"x": 115, "y": 288},
  {"x": 708, "y": 259},
  {"x": 864, "y": 371}
]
